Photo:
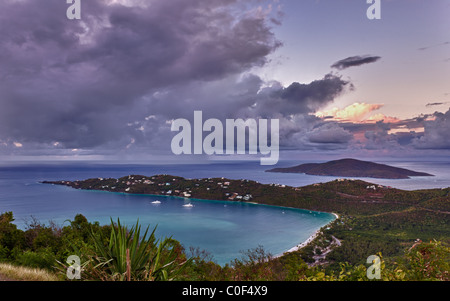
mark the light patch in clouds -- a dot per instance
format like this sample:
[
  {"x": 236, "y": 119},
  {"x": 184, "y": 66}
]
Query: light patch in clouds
[
  {"x": 356, "y": 112},
  {"x": 406, "y": 129},
  {"x": 382, "y": 117}
]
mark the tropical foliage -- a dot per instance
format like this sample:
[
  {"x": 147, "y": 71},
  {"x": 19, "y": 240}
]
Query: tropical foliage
[
  {"x": 130, "y": 256},
  {"x": 115, "y": 252}
]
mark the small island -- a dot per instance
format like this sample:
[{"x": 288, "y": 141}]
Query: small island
[{"x": 352, "y": 168}]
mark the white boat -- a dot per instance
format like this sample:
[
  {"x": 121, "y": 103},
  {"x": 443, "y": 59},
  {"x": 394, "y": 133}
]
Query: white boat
[
  {"x": 188, "y": 205},
  {"x": 156, "y": 202}
]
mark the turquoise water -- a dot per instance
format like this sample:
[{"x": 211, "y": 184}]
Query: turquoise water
[{"x": 224, "y": 229}]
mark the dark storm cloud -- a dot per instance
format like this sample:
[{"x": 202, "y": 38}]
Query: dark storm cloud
[
  {"x": 386, "y": 136},
  {"x": 437, "y": 133},
  {"x": 300, "y": 98},
  {"x": 80, "y": 83},
  {"x": 330, "y": 133},
  {"x": 355, "y": 61},
  {"x": 245, "y": 97},
  {"x": 112, "y": 82},
  {"x": 312, "y": 96},
  {"x": 436, "y": 104},
  {"x": 380, "y": 140},
  {"x": 294, "y": 106}
]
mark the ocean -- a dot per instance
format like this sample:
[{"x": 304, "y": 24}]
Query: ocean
[{"x": 223, "y": 229}]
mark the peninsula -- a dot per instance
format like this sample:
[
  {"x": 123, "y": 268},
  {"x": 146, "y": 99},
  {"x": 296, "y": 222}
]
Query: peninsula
[
  {"x": 342, "y": 196},
  {"x": 352, "y": 168}
]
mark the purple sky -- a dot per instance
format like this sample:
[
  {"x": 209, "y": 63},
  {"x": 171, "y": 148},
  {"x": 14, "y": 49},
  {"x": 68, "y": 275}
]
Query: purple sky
[{"x": 108, "y": 85}]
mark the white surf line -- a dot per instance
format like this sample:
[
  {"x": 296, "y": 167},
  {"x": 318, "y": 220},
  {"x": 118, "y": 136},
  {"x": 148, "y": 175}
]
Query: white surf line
[{"x": 308, "y": 241}]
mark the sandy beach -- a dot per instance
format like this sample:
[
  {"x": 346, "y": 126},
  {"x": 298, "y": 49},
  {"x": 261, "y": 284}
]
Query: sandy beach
[{"x": 308, "y": 241}]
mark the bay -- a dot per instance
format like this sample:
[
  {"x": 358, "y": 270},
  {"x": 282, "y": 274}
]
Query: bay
[{"x": 224, "y": 229}]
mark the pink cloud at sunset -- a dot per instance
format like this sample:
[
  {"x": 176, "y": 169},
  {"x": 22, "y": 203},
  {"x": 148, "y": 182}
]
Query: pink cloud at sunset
[{"x": 358, "y": 113}]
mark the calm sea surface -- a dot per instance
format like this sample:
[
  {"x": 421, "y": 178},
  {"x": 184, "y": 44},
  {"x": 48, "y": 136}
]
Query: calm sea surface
[{"x": 224, "y": 229}]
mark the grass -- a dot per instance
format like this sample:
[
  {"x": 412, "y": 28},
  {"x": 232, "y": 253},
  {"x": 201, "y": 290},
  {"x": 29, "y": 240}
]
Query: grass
[{"x": 19, "y": 273}]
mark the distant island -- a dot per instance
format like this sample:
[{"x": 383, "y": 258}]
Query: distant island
[{"x": 352, "y": 168}]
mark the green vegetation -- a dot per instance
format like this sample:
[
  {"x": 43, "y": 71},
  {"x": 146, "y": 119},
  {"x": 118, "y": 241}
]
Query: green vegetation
[
  {"x": 104, "y": 254},
  {"x": 107, "y": 253},
  {"x": 408, "y": 230},
  {"x": 131, "y": 256}
]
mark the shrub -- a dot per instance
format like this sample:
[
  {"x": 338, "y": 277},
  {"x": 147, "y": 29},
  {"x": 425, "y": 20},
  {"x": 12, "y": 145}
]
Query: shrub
[
  {"x": 43, "y": 259},
  {"x": 130, "y": 256},
  {"x": 428, "y": 261}
]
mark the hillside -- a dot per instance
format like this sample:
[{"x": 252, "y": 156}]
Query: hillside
[
  {"x": 355, "y": 197},
  {"x": 351, "y": 168}
]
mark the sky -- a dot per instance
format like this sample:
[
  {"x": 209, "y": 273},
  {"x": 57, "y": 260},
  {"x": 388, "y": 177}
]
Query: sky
[{"x": 109, "y": 85}]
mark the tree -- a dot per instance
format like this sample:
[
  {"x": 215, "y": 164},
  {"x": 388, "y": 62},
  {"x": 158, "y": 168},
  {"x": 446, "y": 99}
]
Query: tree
[{"x": 10, "y": 236}]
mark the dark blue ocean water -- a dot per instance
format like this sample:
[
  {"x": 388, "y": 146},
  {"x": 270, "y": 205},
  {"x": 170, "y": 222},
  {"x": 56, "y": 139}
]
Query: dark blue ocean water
[{"x": 224, "y": 229}]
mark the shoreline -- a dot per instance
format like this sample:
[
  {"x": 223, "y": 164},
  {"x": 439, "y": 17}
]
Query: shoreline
[
  {"x": 293, "y": 249},
  {"x": 307, "y": 241}
]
